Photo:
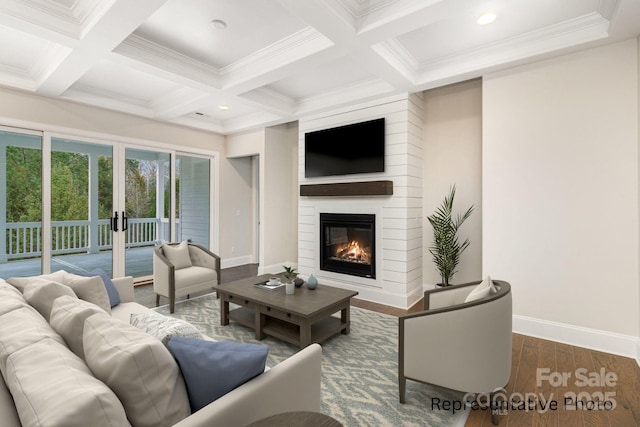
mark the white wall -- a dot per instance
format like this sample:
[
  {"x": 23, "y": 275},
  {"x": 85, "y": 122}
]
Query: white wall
[
  {"x": 236, "y": 213},
  {"x": 279, "y": 203},
  {"x": 453, "y": 155},
  {"x": 241, "y": 149},
  {"x": 560, "y": 194},
  {"x": 276, "y": 148}
]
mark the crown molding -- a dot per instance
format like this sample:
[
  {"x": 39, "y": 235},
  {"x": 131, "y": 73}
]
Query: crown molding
[
  {"x": 211, "y": 126},
  {"x": 607, "y": 8},
  {"x": 178, "y": 102},
  {"x": 49, "y": 62},
  {"x": 271, "y": 100},
  {"x": 360, "y": 9},
  {"x": 14, "y": 77},
  {"x": 74, "y": 22},
  {"x": 587, "y": 28},
  {"x": 96, "y": 97},
  {"x": 288, "y": 50},
  {"x": 354, "y": 94},
  {"x": 140, "y": 49},
  {"x": 398, "y": 57}
]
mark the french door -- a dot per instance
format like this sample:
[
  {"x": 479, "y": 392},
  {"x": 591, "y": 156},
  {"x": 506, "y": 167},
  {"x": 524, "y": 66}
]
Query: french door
[{"x": 77, "y": 204}]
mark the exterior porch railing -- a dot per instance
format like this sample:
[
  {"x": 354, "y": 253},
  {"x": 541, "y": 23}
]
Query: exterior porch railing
[{"x": 24, "y": 239}]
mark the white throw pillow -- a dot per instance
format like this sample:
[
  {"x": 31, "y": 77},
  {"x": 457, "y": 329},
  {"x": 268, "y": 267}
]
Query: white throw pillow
[
  {"x": 41, "y": 296},
  {"x": 139, "y": 369},
  {"x": 163, "y": 327},
  {"x": 178, "y": 255},
  {"x": 21, "y": 282},
  {"x": 51, "y": 386},
  {"x": 67, "y": 319},
  {"x": 90, "y": 289},
  {"x": 484, "y": 289}
]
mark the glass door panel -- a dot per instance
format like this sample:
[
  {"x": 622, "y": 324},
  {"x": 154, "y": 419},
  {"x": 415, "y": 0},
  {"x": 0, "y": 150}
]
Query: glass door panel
[
  {"x": 81, "y": 206},
  {"x": 193, "y": 199},
  {"x": 20, "y": 204},
  {"x": 147, "y": 208}
]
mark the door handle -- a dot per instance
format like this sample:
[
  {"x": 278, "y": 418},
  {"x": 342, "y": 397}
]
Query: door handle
[
  {"x": 125, "y": 222},
  {"x": 114, "y": 221}
]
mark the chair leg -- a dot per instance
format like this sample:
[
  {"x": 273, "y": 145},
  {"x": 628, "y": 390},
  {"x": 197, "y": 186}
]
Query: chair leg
[
  {"x": 494, "y": 411},
  {"x": 157, "y": 300},
  {"x": 172, "y": 304},
  {"x": 187, "y": 296},
  {"x": 402, "y": 386}
]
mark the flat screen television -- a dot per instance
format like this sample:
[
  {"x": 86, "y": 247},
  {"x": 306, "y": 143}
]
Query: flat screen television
[{"x": 345, "y": 150}]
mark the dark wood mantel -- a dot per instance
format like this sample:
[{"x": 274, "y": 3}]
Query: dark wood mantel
[{"x": 364, "y": 188}]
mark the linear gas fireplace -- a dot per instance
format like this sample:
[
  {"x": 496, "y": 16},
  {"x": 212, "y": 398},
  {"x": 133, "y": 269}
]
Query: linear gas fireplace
[{"x": 347, "y": 244}]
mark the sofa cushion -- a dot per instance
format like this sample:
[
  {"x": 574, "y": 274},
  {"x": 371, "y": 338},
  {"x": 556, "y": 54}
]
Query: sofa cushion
[
  {"x": 178, "y": 255},
  {"x": 67, "y": 319},
  {"x": 163, "y": 327},
  {"x": 112, "y": 292},
  {"x": 41, "y": 295},
  {"x": 22, "y": 327},
  {"x": 484, "y": 289},
  {"x": 21, "y": 282},
  {"x": 195, "y": 276},
  {"x": 213, "y": 368},
  {"x": 72, "y": 396},
  {"x": 138, "y": 368},
  {"x": 10, "y": 298},
  {"x": 90, "y": 289}
]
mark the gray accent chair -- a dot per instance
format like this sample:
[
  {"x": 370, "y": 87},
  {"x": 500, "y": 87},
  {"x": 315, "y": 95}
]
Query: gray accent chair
[
  {"x": 172, "y": 282},
  {"x": 463, "y": 346}
]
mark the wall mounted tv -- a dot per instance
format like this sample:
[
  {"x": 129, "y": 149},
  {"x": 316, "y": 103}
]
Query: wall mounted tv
[{"x": 345, "y": 150}]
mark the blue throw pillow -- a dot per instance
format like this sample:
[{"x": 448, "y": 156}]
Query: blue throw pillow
[
  {"x": 211, "y": 369},
  {"x": 114, "y": 296}
]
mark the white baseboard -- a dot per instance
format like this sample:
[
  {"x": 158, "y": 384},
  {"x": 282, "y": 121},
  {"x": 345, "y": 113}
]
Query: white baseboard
[
  {"x": 234, "y": 262},
  {"x": 609, "y": 342}
]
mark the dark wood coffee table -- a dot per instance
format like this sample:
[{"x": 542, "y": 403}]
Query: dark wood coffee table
[{"x": 300, "y": 319}]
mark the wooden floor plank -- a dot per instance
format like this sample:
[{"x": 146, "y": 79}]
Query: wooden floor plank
[
  {"x": 622, "y": 415},
  {"x": 545, "y": 392},
  {"x": 628, "y": 388}
]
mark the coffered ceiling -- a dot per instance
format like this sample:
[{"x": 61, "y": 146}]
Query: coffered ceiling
[{"x": 278, "y": 60}]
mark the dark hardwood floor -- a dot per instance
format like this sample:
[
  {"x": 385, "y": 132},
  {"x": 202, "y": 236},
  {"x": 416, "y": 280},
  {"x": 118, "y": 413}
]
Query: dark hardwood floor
[{"x": 528, "y": 355}]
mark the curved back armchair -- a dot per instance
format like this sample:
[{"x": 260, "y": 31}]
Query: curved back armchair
[
  {"x": 464, "y": 346},
  {"x": 176, "y": 274}
]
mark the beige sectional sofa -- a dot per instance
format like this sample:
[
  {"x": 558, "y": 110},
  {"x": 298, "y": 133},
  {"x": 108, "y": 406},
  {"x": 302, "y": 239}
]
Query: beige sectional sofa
[{"x": 45, "y": 383}]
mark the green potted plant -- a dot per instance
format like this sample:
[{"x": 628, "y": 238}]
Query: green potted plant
[
  {"x": 290, "y": 273},
  {"x": 446, "y": 247}
]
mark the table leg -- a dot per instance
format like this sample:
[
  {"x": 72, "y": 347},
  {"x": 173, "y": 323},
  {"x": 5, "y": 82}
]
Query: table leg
[
  {"x": 224, "y": 312},
  {"x": 305, "y": 333},
  {"x": 260, "y": 320},
  {"x": 345, "y": 317}
]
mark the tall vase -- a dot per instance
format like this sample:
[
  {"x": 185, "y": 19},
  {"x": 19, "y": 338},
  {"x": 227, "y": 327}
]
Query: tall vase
[{"x": 312, "y": 282}]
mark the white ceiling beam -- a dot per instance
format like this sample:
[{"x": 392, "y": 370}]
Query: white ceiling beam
[
  {"x": 117, "y": 23},
  {"x": 180, "y": 102},
  {"x": 339, "y": 25}
]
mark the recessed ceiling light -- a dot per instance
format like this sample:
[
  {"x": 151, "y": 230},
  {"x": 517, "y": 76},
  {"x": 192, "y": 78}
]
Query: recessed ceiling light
[
  {"x": 486, "y": 18},
  {"x": 218, "y": 24},
  {"x": 223, "y": 107}
]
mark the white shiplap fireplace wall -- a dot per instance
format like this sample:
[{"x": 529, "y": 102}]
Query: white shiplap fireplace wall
[{"x": 398, "y": 279}]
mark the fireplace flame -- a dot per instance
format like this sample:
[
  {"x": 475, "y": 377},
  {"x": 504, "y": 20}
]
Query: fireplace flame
[{"x": 352, "y": 252}]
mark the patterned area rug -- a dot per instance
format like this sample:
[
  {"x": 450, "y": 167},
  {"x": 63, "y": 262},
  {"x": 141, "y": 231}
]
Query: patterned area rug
[{"x": 359, "y": 370}]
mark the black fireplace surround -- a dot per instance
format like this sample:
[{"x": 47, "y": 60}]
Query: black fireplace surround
[{"x": 347, "y": 244}]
